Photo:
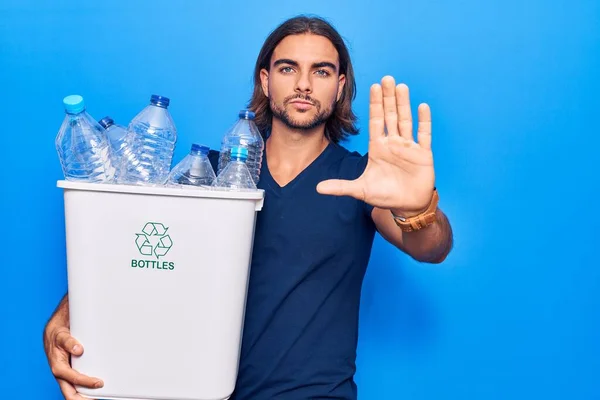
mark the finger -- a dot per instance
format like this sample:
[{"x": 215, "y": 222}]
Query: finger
[
  {"x": 69, "y": 391},
  {"x": 389, "y": 105},
  {"x": 341, "y": 187},
  {"x": 376, "y": 121},
  {"x": 65, "y": 341},
  {"x": 404, "y": 114},
  {"x": 62, "y": 370},
  {"x": 424, "y": 133}
]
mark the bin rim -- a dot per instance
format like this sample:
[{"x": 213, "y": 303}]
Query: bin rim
[{"x": 257, "y": 194}]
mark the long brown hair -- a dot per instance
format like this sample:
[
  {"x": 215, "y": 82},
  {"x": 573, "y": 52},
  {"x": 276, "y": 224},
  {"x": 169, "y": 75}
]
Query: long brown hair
[{"x": 342, "y": 120}]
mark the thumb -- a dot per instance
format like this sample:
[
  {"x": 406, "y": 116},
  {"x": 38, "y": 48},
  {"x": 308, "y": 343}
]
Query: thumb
[{"x": 341, "y": 187}]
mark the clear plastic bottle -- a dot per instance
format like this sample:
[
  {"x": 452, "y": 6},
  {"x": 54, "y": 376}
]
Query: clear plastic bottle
[
  {"x": 152, "y": 141},
  {"x": 194, "y": 170},
  {"x": 82, "y": 145},
  {"x": 236, "y": 175},
  {"x": 244, "y": 133},
  {"x": 117, "y": 137}
]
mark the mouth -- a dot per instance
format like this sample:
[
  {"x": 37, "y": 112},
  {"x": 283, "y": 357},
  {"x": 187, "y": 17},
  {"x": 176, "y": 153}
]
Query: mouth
[{"x": 301, "y": 105}]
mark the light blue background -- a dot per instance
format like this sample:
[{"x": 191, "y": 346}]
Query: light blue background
[{"x": 514, "y": 311}]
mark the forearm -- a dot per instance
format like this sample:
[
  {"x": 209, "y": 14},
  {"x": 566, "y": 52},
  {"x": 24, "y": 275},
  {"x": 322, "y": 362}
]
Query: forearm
[
  {"x": 61, "y": 314},
  {"x": 432, "y": 243},
  {"x": 59, "y": 320}
]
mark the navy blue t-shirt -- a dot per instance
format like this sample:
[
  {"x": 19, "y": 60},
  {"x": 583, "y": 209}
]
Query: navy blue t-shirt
[{"x": 309, "y": 259}]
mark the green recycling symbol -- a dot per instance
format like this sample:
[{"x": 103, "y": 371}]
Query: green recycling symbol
[{"x": 153, "y": 240}]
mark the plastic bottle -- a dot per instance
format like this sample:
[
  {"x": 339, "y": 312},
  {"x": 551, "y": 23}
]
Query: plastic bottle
[
  {"x": 117, "y": 137},
  {"x": 82, "y": 145},
  {"x": 244, "y": 133},
  {"x": 194, "y": 170},
  {"x": 236, "y": 175},
  {"x": 152, "y": 141}
]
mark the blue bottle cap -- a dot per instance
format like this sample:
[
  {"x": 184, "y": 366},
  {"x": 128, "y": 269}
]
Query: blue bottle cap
[
  {"x": 239, "y": 153},
  {"x": 106, "y": 122},
  {"x": 74, "y": 104},
  {"x": 247, "y": 114},
  {"x": 200, "y": 148},
  {"x": 160, "y": 101}
]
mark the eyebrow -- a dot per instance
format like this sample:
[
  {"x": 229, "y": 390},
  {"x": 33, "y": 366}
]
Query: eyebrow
[{"x": 295, "y": 64}]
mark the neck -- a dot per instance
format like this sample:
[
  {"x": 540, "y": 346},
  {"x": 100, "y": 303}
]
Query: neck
[{"x": 289, "y": 151}]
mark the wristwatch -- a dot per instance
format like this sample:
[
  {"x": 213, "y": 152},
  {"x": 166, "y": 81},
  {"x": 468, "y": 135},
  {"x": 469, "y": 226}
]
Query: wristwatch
[{"x": 420, "y": 221}]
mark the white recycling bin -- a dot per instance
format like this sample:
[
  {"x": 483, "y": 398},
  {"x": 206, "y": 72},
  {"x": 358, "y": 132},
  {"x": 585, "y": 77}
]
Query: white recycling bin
[{"x": 157, "y": 282}]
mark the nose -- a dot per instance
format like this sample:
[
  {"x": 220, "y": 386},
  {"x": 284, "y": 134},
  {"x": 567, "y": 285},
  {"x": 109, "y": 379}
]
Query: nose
[{"x": 304, "y": 84}]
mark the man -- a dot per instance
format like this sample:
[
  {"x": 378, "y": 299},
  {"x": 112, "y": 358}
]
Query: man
[{"x": 322, "y": 207}]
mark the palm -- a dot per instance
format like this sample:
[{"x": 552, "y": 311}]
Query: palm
[{"x": 399, "y": 173}]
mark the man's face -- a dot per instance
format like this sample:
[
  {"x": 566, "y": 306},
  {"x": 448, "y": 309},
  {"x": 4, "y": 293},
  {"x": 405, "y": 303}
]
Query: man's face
[{"x": 303, "y": 82}]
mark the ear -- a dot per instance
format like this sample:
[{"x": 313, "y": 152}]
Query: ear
[
  {"x": 341, "y": 84},
  {"x": 264, "y": 81}
]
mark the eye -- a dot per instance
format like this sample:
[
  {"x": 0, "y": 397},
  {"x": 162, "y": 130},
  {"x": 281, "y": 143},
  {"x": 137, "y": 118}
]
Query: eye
[
  {"x": 286, "y": 70},
  {"x": 322, "y": 72}
]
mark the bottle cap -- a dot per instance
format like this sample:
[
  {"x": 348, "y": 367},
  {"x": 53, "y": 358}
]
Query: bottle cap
[
  {"x": 200, "y": 148},
  {"x": 239, "y": 153},
  {"x": 247, "y": 114},
  {"x": 160, "y": 101},
  {"x": 74, "y": 104},
  {"x": 106, "y": 122}
]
